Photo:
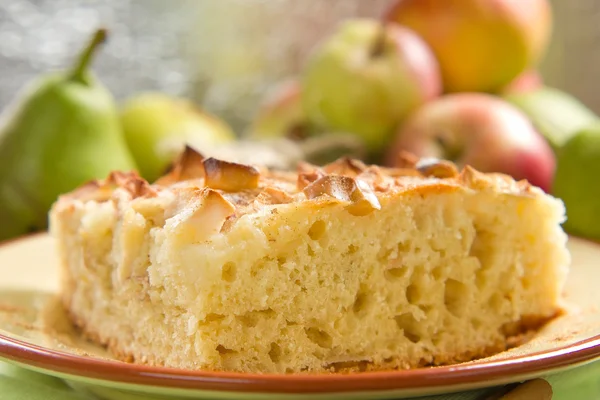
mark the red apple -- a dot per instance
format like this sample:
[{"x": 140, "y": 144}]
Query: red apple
[{"x": 478, "y": 130}]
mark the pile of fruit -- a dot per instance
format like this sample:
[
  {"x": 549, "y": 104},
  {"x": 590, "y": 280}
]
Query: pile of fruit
[
  {"x": 437, "y": 78},
  {"x": 455, "y": 80}
]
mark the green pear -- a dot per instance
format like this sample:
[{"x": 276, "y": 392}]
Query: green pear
[
  {"x": 157, "y": 127},
  {"x": 62, "y": 131},
  {"x": 576, "y": 182},
  {"x": 555, "y": 114}
]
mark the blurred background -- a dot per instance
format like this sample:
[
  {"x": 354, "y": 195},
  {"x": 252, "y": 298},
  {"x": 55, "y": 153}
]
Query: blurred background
[{"x": 225, "y": 53}]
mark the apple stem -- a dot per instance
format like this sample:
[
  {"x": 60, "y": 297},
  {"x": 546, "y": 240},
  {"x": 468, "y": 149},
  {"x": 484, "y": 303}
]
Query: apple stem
[
  {"x": 80, "y": 67},
  {"x": 379, "y": 44}
]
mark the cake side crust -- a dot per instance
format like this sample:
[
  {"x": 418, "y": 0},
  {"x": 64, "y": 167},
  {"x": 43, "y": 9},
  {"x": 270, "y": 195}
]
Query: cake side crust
[{"x": 525, "y": 331}]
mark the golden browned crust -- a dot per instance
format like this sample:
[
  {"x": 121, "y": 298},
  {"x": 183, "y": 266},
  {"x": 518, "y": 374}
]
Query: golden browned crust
[
  {"x": 189, "y": 165},
  {"x": 248, "y": 188},
  {"x": 101, "y": 190}
]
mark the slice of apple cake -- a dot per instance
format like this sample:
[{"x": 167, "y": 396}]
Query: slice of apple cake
[{"x": 223, "y": 266}]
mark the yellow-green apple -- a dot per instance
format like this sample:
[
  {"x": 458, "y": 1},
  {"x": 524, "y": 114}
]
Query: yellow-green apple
[
  {"x": 556, "y": 114},
  {"x": 281, "y": 114},
  {"x": 576, "y": 181},
  {"x": 366, "y": 78},
  {"x": 481, "y": 45},
  {"x": 157, "y": 127},
  {"x": 479, "y": 130}
]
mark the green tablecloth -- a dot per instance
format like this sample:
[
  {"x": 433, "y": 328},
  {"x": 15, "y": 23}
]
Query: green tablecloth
[{"x": 582, "y": 383}]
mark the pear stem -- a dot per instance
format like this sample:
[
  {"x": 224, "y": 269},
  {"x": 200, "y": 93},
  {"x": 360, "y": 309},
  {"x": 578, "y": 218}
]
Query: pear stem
[
  {"x": 379, "y": 44},
  {"x": 78, "y": 71}
]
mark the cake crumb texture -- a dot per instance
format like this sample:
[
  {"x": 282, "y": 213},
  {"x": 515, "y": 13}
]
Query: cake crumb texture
[{"x": 308, "y": 272}]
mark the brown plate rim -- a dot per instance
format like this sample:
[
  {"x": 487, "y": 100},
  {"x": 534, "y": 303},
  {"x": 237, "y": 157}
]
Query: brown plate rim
[
  {"x": 434, "y": 377},
  {"x": 20, "y": 351}
]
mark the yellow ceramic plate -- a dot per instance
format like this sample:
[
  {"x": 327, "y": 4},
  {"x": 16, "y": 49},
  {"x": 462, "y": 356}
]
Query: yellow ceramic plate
[{"x": 35, "y": 333}]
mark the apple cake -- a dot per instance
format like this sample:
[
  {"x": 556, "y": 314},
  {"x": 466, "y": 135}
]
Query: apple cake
[{"x": 343, "y": 267}]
